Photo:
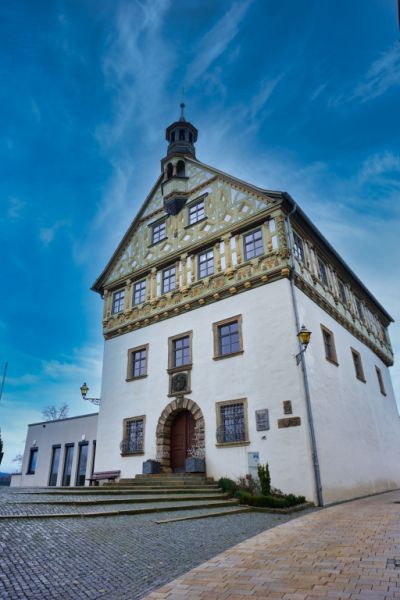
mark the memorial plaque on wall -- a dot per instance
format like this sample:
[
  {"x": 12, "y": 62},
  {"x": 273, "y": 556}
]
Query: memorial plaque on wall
[{"x": 262, "y": 420}]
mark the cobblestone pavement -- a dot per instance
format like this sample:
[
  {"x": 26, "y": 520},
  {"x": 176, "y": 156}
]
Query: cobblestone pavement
[
  {"x": 113, "y": 558},
  {"x": 349, "y": 551}
]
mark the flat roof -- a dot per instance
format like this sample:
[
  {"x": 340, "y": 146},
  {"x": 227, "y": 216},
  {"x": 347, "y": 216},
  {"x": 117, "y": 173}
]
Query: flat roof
[{"x": 65, "y": 419}]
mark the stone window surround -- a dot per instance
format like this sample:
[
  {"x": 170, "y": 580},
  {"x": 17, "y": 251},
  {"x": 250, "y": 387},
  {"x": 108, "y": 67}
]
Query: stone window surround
[
  {"x": 250, "y": 232},
  {"x": 119, "y": 290},
  {"x": 218, "y": 405},
  {"x": 134, "y": 284},
  {"x": 380, "y": 381},
  {"x": 131, "y": 352},
  {"x": 125, "y": 434},
  {"x": 327, "y": 332},
  {"x": 216, "y": 329},
  {"x": 358, "y": 366},
  {"x": 171, "y": 339},
  {"x": 201, "y": 253}
]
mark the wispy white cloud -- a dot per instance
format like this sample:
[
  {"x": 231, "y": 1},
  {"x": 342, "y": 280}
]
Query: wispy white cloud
[
  {"x": 382, "y": 75},
  {"x": 381, "y": 168},
  {"x": 47, "y": 234},
  {"x": 216, "y": 41},
  {"x": 15, "y": 208}
]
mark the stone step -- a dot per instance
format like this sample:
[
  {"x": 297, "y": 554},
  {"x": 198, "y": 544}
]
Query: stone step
[
  {"x": 125, "y": 512},
  {"x": 104, "y": 501},
  {"x": 99, "y": 491}
]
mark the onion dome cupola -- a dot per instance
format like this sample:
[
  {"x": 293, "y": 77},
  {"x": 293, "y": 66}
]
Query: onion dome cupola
[{"x": 181, "y": 136}]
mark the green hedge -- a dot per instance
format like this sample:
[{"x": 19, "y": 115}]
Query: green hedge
[
  {"x": 227, "y": 485},
  {"x": 270, "y": 501}
]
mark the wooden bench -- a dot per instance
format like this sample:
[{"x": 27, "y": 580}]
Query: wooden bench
[{"x": 101, "y": 475}]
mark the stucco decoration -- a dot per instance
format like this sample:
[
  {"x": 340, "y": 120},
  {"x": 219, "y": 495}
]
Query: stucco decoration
[
  {"x": 227, "y": 202},
  {"x": 163, "y": 431}
]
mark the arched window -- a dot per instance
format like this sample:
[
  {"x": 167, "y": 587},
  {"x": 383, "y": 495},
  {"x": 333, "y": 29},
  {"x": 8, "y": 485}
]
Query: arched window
[
  {"x": 170, "y": 170},
  {"x": 180, "y": 168},
  {"x": 181, "y": 134}
]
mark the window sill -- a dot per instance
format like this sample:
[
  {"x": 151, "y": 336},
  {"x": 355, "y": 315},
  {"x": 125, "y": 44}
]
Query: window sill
[
  {"x": 135, "y": 378},
  {"x": 187, "y": 367},
  {"x": 189, "y": 225},
  {"x": 156, "y": 243},
  {"x": 139, "y": 453},
  {"x": 232, "y": 444},
  {"x": 332, "y": 361},
  {"x": 222, "y": 356}
]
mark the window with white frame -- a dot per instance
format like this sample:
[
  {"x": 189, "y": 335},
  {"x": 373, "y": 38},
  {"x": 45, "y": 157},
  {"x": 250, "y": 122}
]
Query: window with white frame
[
  {"x": 159, "y": 232},
  {"x": 168, "y": 279},
  {"x": 118, "y": 301},
  {"x": 196, "y": 212},
  {"x": 206, "y": 263},
  {"x": 253, "y": 244},
  {"x": 139, "y": 292}
]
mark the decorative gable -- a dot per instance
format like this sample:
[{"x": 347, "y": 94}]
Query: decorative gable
[{"x": 227, "y": 202}]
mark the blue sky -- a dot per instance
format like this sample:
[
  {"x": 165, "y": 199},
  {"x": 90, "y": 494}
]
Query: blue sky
[{"x": 297, "y": 95}]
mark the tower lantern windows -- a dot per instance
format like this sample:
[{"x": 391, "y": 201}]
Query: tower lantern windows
[
  {"x": 180, "y": 168},
  {"x": 170, "y": 170},
  {"x": 182, "y": 135}
]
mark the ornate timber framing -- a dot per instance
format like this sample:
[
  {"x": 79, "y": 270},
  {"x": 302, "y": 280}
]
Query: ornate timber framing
[{"x": 163, "y": 431}]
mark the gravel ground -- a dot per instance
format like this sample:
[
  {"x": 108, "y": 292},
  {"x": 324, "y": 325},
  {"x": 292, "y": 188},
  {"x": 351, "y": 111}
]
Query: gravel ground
[{"x": 112, "y": 558}]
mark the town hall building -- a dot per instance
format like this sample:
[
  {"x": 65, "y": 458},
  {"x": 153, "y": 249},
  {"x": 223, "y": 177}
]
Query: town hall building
[{"x": 204, "y": 299}]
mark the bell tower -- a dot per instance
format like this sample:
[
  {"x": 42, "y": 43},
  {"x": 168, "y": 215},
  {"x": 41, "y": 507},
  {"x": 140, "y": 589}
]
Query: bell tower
[{"x": 181, "y": 137}]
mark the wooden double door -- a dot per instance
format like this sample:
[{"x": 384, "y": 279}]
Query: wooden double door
[{"x": 182, "y": 438}]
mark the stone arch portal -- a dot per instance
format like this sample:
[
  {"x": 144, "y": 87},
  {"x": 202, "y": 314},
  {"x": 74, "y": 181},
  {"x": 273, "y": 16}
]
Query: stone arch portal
[{"x": 163, "y": 431}]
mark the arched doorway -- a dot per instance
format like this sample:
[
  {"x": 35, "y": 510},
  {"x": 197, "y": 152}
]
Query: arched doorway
[
  {"x": 166, "y": 425},
  {"x": 182, "y": 439}
]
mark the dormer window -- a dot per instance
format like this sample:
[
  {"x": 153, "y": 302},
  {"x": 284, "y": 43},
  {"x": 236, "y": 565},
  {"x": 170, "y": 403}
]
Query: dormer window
[
  {"x": 197, "y": 212},
  {"x": 159, "y": 232}
]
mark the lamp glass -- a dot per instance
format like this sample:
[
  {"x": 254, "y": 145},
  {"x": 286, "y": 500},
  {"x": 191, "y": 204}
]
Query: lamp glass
[
  {"x": 84, "y": 390},
  {"x": 304, "y": 336}
]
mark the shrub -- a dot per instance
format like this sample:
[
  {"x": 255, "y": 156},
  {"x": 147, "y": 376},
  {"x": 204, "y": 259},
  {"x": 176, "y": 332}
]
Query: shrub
[
  {"x": 248, "y": 484},
  {"x": 265, "y": 479},
  {"x": 227, "y": 485},
  {"x": 261, "y": 500}
]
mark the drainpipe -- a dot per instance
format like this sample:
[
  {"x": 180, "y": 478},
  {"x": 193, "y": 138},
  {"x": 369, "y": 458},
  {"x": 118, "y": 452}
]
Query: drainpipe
[{"x": 314, "y": 452}]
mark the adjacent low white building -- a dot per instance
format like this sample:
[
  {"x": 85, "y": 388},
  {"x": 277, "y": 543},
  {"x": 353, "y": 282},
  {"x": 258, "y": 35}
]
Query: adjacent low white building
[{"x": 59, "y": 453}]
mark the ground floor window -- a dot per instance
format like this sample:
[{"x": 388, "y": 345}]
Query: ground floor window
[
  {"x": 133, "y": 436},
  {"x": 69, "y": 455},
  {"x": 232, "y": 422},
  {"x": 55, "y": 463},
  {"x": 32, "y": 461},
  {"x": 82, "y": 462}
]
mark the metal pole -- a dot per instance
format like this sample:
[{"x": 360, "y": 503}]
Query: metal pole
[
  {"x": 314, "y": 452},
  {"x": 3, "y": 380}
]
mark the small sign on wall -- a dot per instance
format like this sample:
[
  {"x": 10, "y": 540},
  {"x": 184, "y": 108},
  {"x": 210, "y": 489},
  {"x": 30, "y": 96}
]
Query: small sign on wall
[{"x": 262, "y": 420}]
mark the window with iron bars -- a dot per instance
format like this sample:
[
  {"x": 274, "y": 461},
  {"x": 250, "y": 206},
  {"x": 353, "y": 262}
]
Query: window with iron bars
[
  {"x": 133, "y": 436},
  {"x": 232, "y": 423}
]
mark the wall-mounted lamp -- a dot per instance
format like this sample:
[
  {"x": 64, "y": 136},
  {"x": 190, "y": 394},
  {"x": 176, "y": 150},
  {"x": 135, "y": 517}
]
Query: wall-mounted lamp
[
  {"x": 304, "y": 338},
  {"x": 84, "y": 391}
]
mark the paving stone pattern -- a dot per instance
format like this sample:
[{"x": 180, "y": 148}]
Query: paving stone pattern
[
  {"x": 112, "y": 558},
  {"x": 348, "y": 552}
]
